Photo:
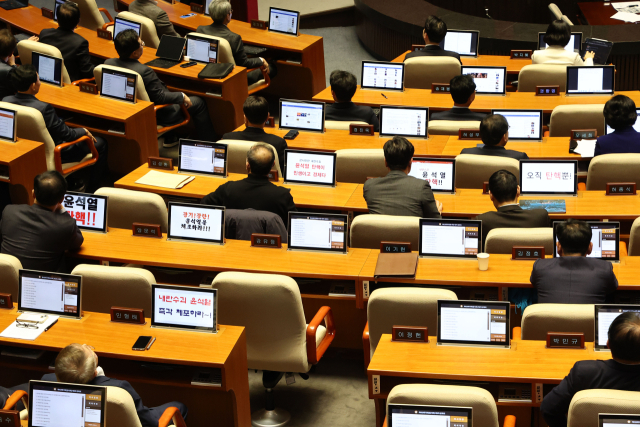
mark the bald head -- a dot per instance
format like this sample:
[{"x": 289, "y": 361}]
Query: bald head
[{"x": 260, "y": 159}]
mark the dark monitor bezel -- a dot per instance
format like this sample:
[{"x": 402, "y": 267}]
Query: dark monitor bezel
[
  {"x": 343, "y": 217},
  {"x": 541, "y": 41},
  {"x": 91, "y": 388},
  {"x": 596, "y": 346},
  {"x": 622, "y": 417},
  {"x": 504, "y": 79},
  {"x": 473, "y": 55},
  {"x": 471, "y": 222},
  {"x": 127, "y": 75},
  {"x": 513, "y": 138},
  {"x": 58, "y": 63},
  {"x": 300, "y": 129},
  {"x": 575, "y": 180},
  {"x": 468, "y": 410},
  {"x": 613, "y": 87},
  {"x": 314, "y": 153},
  {"x": 285, "y": 32},
  {"x": 155, "y": 324},
  {"x": 73, "y": 278},
  {"x": 181, "y": 39},
  {"x": 194, "y": 239},
  {"x": 15, "y": 125},
  {"x": 202, "y": 39},
  {"x": 403, "y": 107},
  {"x": 212, "y": 145},
  {"x": 137, "y": 24},
  {"x": 617, "y": 228},
  {"x": 106, "y": 213},
  {"x": 609, "y": 45},
  {"x": 442, "y": 160},
  {"x": 395, "y": 64}
]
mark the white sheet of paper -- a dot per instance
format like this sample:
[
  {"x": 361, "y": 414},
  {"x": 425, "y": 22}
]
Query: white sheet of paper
[
  {"x": 627, "y": 6},
  {"x": 586, "y": 147},
  {"x": 626, "y": 17},
  {"x": 30, "y": 334}
]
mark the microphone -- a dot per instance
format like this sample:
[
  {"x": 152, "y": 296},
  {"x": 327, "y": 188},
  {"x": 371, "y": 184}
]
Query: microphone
[{"x": 486, "y": 13}]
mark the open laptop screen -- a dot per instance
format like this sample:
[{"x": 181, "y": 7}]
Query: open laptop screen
[
  {"x": 284, "y": 21},
  {"x": 310, "y": 167},
  {"x": 200, "y": 223},
  {"x": 605, "y": 314},
  {"x": 596, "y": 80},
  {"x": 318, "y": 232},
  {"x": 404, "y": 121},
  {"x": 601, "y": 49},
  {"x": 202, "y": 157},
  {"x": 54, "y": 404},
  {"x": 51, "y": 293},
  {"x": 382, "y": 75},
  {"x": 89, "y": 210},
  {"x": 118, "y": 85},
  {"x": 473, "y": 322},
  {"x": 617, "y": 420},
  {"x": 202, "y": 49},
  {"x": 302, "y": 115},
  {"x": 548, "y": 177},
  {"x": 450, "y": 238},
  {"x": 439, "y": 173},
  {"x": 8, "y": 124},
  {"x": 573, "y": 46},
  {"x": 464, "y": 43},
  {"x": 184, "y": 307},
  {"x": 171, "y": 47},
  {"x": 523, "y": 124},
  {"x": 122, "y": 24},
  {"x": 428, "y": 416},
  {"x": 56, "y": 5},
  {"x": 605, "y": 237},
  {"x": 49, "y": 68},
  {"x": 636, "y": 125},
  {"x": 488, "y": 80}
]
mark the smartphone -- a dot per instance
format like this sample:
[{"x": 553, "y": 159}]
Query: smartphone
[
  {"x": 188, "y": 15},
  {"x": 291, "y": 134},
  {"x": 188, "y": 64},
  {"x": 143, "y": 343}
]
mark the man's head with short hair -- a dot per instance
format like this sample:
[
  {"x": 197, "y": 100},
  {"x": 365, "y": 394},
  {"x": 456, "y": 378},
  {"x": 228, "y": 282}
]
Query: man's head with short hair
[
  {"x": 256, "y": 110},
  {"x": 260, "y": 159},
  {"x": 21, "y": 78},
  {"x": 127, "y": 42},
  {"x": 343, "y": 85},
  {"x": 77, "y": 364},
  {"x": 218, "y": 10},
  {"x": 494, "y": 130},
  {"x": 68, "y": 16},
  {"x": 49, "y": 188},
  {"x": 398, "y": 153},
  {"x": 435, "y": 29},
  {"x": 558, "y": 33},
  {"x": 574, "y": 238},
  {"x": 503, "y": 186},
  {"x": 463, "y": 88},
  {"x": 8, "y": 43},
  {"x": 620, "y": 112},
  {"x": 624, "y": 338}
]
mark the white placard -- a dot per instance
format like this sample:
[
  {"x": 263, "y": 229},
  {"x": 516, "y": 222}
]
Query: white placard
[
  {"x": 309, "y": 167},
  {"x": 192, "y": 222},
  {"x": 184, "y": 307},
  {"x": 89, "y": 212},
  {"x": 439, "y": 174},
  {"x": 552, "y": 177}
]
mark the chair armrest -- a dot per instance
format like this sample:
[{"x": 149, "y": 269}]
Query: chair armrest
[
  {"x": 582, "y": 186},
  {"x": 108, "y": 24},
  {"x": 172, "y": 415},
  {"x": 509, "y": 421},
  {"x": 517, "y": 333},
  {"x": 13, "y": 400},
  {"x": 106, "y": 12},
  {"x": 77, "y": 82},
  {"x": 57, "y": 155},
  {"x": 315, "y": 353},
  {"x": 265, "y": 76},
  {"x": 366, "y": 346},
  {"x": 186, "y": 120}
]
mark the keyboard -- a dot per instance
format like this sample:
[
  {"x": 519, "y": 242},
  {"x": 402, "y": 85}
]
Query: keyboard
[
  {"x": 161, "y": 63},
  {"x": 254, "y": 50},
  {"x": 13, "y": 4}
]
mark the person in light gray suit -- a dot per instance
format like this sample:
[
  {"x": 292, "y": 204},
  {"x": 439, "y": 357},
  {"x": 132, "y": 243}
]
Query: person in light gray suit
[
  {"x": 398, "y": 193},
  {"x": 150, "y": 9}
]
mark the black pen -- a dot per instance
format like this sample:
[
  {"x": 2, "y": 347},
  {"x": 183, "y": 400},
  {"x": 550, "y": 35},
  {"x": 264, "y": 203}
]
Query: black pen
[
  {"x": 383, "y": 95},
  {"x": 49, "y": 327}
]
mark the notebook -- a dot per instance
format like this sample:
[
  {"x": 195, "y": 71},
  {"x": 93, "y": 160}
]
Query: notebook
[
  {"x": 165, "y": 180},
  {"x": 397, "y": 265}
]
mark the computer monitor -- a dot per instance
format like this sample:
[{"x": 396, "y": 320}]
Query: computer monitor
[
  {"x": 198, "y": 223},
  {"x": 523, "y": 124},
  {"x": 382, "y": 75},
  {"x": 202, "y": 49},
  {"x": 56, "y": 5},
  {"x": 439, "y": 173},
  {"x": 55, "y": 404},
  {"x": 405, "y": 415},
  {"x": 605, "y": 237},
  {"x": 89, "y": 210},
  {"x": 206, "y": 6},
  {"x": 184, "y": 307},
  {"x": 596, "y": 80},
  {"x": 171, "y": 48},
  {"x": 548, "y": 177},
  {"x": 574, "y": 45},
  {"x": 118, "y": 85},
  {"x": 617, "y": 420},
  {"x": 122, "y": 24},
  {"x": 202, "y": 157},
  {"x": 489, "y": 80},
  {"x": 474, "y": 323},
  {"x": 284, "y": 21},
  {"x": 459, "y": 238},
  {"x": 8, "y": 124},
  {"x": 410, "y": 122},
  {"x": 302, "y": 115},
  {"x": 51, "y": 293},
  {"x": 48, "y": 67},
  {"x": 608, "y": 129},
  {"x": 310, "y": 167},
  {"x": 318, "y": 232},
  {"x": 605, "y": 314},
  {"x": 601, "y": 48},
  {"x": 463, "y": 42}
]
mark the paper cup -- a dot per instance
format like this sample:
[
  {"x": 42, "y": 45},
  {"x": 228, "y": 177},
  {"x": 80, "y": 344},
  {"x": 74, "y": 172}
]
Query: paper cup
[
  {"x": 187, "y": 59},
  {"x": 483, "y": 261}
]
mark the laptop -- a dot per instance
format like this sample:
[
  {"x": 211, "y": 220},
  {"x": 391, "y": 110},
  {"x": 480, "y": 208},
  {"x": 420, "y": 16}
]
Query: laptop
[
  {"x": 602, "y": 49},
  {"x": 406, "y": 415},
  {"x": 574, "y": 45},
  {"x": 184, "y": 307},
  {"x": 202, "y": 49},
  {"x": 169, "y": 52},
  {"x": 450, "y": 238},
  {"x": 636, "y": 125},
  {"x": 439, "y": 173},
  {"x": 196, "y": 223},
  {"x": 382, "y": 75},
  {"x": 617, "y": 420},
  {"x": 474, "y": 323},
  {"x": 463, "y": 42},
  {"x": 524, "y": 125},
  {"x": 548, "y": 177},
  {"x": 302, "y": 115},
  {"x": 284, "y": 21},
  {"x": 122, "y": 24},
  {"x": 596, "y": 80},
  {"x": 310, "y": 167},
  {"x": 54, "y": 404},
  {"x": 13, "y": 4},
  {"x": 8, "y": 124},
  {"x": 605, "y": 314},
  {"x": 410, "y": 122},
  {"x": 202, "y": 158},
  {"x": 50, "y": 293},
  {"x": 89, "y": 210},
  {"x": 56, "y": 5},
  {"x": 49, "y": 68},
  {"x": 488, "y": 80},
  {"x": 605, "y": 237},
  {"x": 119, "y": 85},
  {"x": 318, "y": 232}
]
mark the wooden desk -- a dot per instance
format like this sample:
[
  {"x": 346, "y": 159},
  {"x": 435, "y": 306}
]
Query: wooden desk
[
  {"x": 556, "y": 148},
  {"x": 225, "y": 351},
  {"x": 513, "y": 65},
  {"x": 596, "y": 13},
  {"x": 20, "y": 163}
]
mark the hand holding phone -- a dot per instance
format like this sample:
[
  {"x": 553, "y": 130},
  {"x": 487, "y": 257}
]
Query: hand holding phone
[{"x": 143, "y": 343}]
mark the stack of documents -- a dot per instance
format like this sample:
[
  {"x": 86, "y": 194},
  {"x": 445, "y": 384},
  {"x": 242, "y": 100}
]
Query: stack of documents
[
  {"x": 165, "y": 180},
  {"x": 627, "y": 11},
  {"x": 21, "y": 333},
  {"x": 586, "y": 147}
]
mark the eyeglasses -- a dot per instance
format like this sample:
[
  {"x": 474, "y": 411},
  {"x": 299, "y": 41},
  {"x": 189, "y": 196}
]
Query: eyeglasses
[{"x": 26, "y": 325}]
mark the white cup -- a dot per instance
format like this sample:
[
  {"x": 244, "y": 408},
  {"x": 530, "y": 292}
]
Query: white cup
[
  {"x": 483, "y": 261},
  {"x": 187, "y": 59}
]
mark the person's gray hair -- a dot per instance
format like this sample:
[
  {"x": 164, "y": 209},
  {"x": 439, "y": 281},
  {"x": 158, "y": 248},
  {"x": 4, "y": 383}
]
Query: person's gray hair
[
  {"x": 261, "y": 158},
  {"x": 219, "y": 9},
  {"x": 74, "y": 366}
]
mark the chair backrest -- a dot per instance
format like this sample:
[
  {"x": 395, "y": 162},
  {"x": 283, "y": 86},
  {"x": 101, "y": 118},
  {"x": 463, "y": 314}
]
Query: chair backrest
[
  {"x": 613, "y": 168},
  {"x": 566, "y": 19},
  {"x": 538, "y": 319},
  {"x": 555, "y": 11},
  {"x": 451, "y": 127},
  {"x": 634, "y": 238},
  {"x": 420, "y": 72},
  {"x": 225, "y": 54},
  {"x": 90, "y": 16},
  {"x": 473, "y": 170},
  {"x": 269, "y": 306},
  {"x": 485, "y": 412},
  {"x": 105, "y": 287},
  {"x": 368, "y": 230},
  {"x": 403, "y": 306},
  {"x": 127, "y": 206},
  {"x": 237, "y": 155},
  {"x": 141, "y": 92},
  {"x": 148, "y": 32},
  {"x": 564, "y": 118},
  {"x": 239, "y": 224},
  {"x": 341, "y": 124},
  {"x": 542, "y": 74},
  {"x": 502, "y": 240},
  {"x": 121, "y": 409},
  {"x": 9, "y": 267},
  {"x": 587, "y": 404},
  {"x": 27, "y": 47},
  {"x": 356, "y": 165}
]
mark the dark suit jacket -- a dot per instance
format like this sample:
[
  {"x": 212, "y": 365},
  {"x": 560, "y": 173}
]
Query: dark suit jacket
[
  {"x": 458, "y": 114},
  {"x": 432, "y": 50},
  {"x": 237, "y": 48},
  {"x": 150, "y": 9},
  {"x": 253, "y": 192},
  {"x": 626, "y": 140},
  {"x": 259, "y": 135},
  {"x": 573, "y": 280},
  {"x": 38, "y": 237},
  {"x": 6, "y": 88},
  {"x": 512, "y": 216},
  {"x": 240, "y": 224},
  {"x": 587, "y": 375},
  {"x": 400, "y": 194},
  {"x": 348, "y": 111},
  {"x": 74, "y": 49},
  {"x": 493, "y": 150}
]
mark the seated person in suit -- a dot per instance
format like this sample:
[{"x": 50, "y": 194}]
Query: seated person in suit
[
  {"x": 255, "y": 191},
  {"x": 38, "y": 235},
  {"x": 220, "y": 12},
  {"x": 572, "y": 278},
  {"x": 620, "y": 114},
  {"x": 149, "y": 9},
  {"x": 463, "y": 92},
  {"x": 74, "y": 47},
  {"x": 26, "y": 81},
  {"x": 433, "y": 33},
  {"x": 8, "y": 45},
  {"x": 256, "y": 112},
  {"x": 398, "y": 193},
  {"x": 494, "y": 132},
  {"x": 130, "y": 47},
  {"x": 504, "y": 192},
  {"x": 622, "y": 372},
  {"x": 343, "y": 87},
  {"x": 557, "y": 37}
]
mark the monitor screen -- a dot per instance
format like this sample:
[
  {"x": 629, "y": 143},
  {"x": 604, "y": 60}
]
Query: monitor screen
[
  {"x": 171, "y": 47},
  {"x": 184, "y": 307},
  {"x": 604, "y": 315},
  {"x": 284, "y": 21},
  {"x": 8, "y": 124},
  {"x": 202, "y": 157},
  {"x": 616, "y": 420},
  {"x": 49, "y": 68},
  {"x": 382, "y": 75},
  {"x": 523, "y": 124},
  {"x": 488, "y": 80},
  {"x": 428, "y": 416},
  {"x": 439, "y": 173},
  {"x": 302, "y": 115},
  {"x": 57, "y": 4},
  {"x": 122, "y": 24},
  {"x": 573, "y": 46},
  {"x": 52, "y": 293},
  {"x": 473, "y": 323},
  {"x": 89, "y": 210},
  {"x": 601, "y": 49},
  {"x": 450, "y": 238},
  {"x": 310, "y": 167},
  {"x": 206, "y": 6},
  {"x": 404, "y": 121},
  {"x": 202, "y": 49},
  {"x": 596, "y": 80},
  {"x": 548, "y": 177},
  {"x": 608, "y": 129},
  {"x": 199, "y": 223},
  {"x": 54, "y": 404},
  {"x": 605, "y": 237},
  {"x": 318, "y": 232},
  {"x": 464, "y": 43},
  {"x": 118, "y": 85}
]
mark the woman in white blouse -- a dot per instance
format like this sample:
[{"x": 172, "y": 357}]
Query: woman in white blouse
[{"x": 557, "y": 37}]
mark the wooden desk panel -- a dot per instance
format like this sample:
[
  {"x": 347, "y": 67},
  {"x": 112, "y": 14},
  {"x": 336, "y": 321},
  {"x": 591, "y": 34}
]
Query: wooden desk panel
[
  {"x": 513, "y": 65},
  {"x": 549, "y": 148},
  {"x": 25, "y": 160},
  {"x": 596, "y": 13}
]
